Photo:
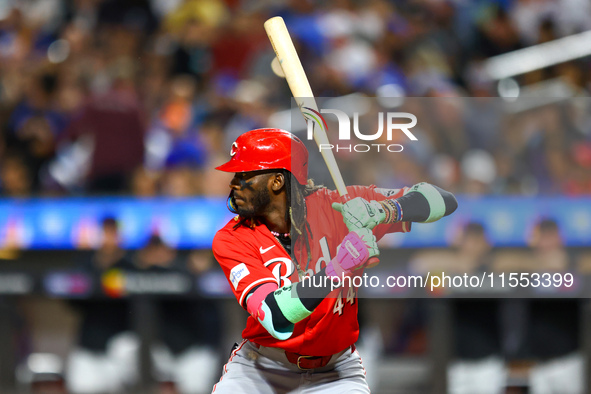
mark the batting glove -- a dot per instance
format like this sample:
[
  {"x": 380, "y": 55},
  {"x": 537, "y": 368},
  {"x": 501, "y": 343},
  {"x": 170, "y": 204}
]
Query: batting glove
[
  {"x": 370, "y": 241},
  {"x": 360, "y": 213},
  {"x": 352, "y": 253}
]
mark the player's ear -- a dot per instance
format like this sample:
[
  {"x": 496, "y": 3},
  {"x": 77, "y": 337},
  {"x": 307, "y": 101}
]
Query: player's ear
[{"x": 278, "y": 180}]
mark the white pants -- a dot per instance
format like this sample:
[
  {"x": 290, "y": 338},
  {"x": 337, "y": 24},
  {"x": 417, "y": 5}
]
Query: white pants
[
  {"x": 486, "y": 376},
  {"x": 193, "y": 371},
  {"x": 564, "y": 375},
  {"x": 265, "y": 370}
]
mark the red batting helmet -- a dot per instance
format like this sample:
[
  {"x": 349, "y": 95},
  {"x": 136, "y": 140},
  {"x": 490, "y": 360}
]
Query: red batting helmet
[{"x": 267, "y": 149}]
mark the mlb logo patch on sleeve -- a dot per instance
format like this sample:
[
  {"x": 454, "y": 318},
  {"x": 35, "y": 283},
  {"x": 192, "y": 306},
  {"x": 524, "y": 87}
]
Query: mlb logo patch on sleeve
[{"x": 237, "y": 273}]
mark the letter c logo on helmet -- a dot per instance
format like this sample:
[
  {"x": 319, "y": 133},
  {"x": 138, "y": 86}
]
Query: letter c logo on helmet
[
  {"x": 233, "y": 149},
  {"x": 267, "y": 149}
]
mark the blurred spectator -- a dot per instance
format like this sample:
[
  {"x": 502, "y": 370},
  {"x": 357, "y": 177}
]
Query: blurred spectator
[
  {"x": 194, "y": 26},
  {"x": 554, "y": 323},
  {"x": 133, "y": 14},
  {"x": 144, "y": 183},
  {"x": 15, "y": 176},
  {"x": 180, "y": 182},
  {"x": 109, "y": 254},
  {"x": 38, "y": 101},
  {"x": 156, "y": 255},
  {"x": 115, "y": 125},
  {"x": 172, "y": 138},
  {"x": 97, "y": 364},
  {"x": 498, "y": 34},
  {"x": 477, "y": 326},
  {"x": 477, "y": 335},
  {"x": 35, "y": 124}
]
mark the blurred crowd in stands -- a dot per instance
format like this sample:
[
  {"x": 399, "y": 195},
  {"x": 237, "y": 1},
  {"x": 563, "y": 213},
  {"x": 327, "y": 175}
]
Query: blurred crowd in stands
[{"x": 144, "y": 97}]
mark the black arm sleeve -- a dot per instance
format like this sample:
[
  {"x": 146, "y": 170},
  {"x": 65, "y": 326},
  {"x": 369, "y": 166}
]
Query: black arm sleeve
[
  {"x": 311, "y": 296},
  {"x": 416, "y": 208},
  {"x": 279, "y": 320}
]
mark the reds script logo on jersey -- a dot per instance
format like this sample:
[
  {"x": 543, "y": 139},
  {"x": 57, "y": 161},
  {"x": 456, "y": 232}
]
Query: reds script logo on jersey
[
  {"x": 282, "y": 268},
  {"x": 267, "y": 262}
]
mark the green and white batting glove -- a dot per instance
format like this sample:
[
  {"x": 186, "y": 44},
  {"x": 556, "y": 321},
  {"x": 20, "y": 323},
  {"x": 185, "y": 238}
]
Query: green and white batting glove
[
  {"x": 370, "y": 241},
  {"x": 360, "y": 213}
]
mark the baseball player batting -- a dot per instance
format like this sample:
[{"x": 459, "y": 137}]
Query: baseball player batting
[{"x": 302, "y": 338}]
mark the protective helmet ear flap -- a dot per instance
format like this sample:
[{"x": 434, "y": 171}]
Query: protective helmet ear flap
[{"x": 265, "y": 149}]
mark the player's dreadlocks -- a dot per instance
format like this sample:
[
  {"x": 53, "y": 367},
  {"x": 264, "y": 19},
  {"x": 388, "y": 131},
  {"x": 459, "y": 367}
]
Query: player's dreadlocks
[{"x": 296, "y": 212}]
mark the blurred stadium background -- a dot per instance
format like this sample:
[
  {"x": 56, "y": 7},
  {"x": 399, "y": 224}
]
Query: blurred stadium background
[{"x": 114, "y": 113}]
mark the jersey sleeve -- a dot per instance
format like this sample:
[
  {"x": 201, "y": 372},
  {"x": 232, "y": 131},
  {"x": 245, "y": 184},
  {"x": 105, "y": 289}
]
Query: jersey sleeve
[
  {"x": 241, "y": 264},
  {"x": 379, "y": 194}
]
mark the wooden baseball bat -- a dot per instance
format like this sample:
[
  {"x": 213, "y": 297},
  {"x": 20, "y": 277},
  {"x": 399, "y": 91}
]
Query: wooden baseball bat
[
  {"x": 302, "y": 93},
  {"x": 300, "y": 88}
]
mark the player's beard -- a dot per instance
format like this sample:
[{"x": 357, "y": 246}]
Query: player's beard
[{"x": 258, "y": 204}]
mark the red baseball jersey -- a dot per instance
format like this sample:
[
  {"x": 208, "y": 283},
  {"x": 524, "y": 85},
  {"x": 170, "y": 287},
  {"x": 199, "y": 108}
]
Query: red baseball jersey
[{"x": 250, "y": 256}]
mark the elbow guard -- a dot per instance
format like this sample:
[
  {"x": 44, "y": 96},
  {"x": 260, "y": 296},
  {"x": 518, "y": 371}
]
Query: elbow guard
[
  {"x": 441, "y": 202},
  {"x": 277, "y": 310}
]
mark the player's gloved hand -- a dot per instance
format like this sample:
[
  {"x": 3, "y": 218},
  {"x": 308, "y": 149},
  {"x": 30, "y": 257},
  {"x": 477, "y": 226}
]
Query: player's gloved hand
[
  {"x": 360, "y": 213},
  {"x": 352, "y": 253},
  {"x": 370, "y": 241}
]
